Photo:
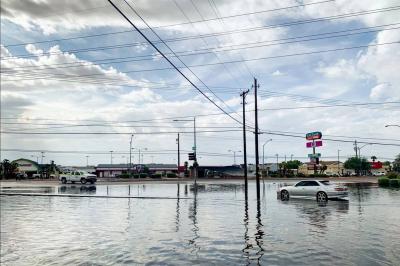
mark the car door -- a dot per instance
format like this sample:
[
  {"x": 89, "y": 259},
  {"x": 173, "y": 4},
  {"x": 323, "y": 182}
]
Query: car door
[
  {"x": 298, "y": 189},
  {"x": 311, "y": 188},
  {"x": 76, "y": 176}
]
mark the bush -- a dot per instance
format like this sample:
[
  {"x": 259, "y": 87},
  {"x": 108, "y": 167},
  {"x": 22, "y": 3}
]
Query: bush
[
  {"x": 392, "y": 175},
  {"x": 171, "y": 175},
  {"x": 394, "y": 182},
  {"x": 301, "y": 175},
  {"x": 383, "y": 182},
  {"x": 124, "y": 175},
  {"x": 143, "y": 175},
  {"x": 136, "y": 176},
  {"x": 156, "y": 176}
]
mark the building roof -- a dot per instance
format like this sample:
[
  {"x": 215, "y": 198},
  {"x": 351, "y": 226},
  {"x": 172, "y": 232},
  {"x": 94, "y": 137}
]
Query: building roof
[
  {"x": 27, "y": 160},
  {"x": 150, "y": 166}
]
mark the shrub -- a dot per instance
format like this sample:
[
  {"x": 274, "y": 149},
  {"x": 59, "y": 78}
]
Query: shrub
[
  {"x": 124, "y": 175},
  {"x": 171, "y": 175},
  {"x": 143, "y": 175},
  {"x": 301, "y": 175},
  {"x": 394, "y": 182},
  {"x": 156, "y": 176},
  {"x": 136, "y": 176},
  {"x": 392, "y": 175},
  {"x": 383, "y": 182}
]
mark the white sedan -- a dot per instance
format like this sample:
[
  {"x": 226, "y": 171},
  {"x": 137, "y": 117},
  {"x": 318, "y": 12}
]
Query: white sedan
[{"x": 321, "y": 190}]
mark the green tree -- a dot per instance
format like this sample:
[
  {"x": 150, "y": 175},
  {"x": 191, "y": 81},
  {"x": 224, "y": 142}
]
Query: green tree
[
  {"x": 293, "y": 164},
  {"x": 389, "y": 164},
  {"x": 358, "y": 164},
  {"x": 396, "y": 164},
  {"x": 7, "y": 169}
]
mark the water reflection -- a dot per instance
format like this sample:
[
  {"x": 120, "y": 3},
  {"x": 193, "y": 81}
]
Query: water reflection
[
  {"x": 193, "y": 218},
  {"x": 80, "y": 189},
  {"x": 249, "y": 248}
]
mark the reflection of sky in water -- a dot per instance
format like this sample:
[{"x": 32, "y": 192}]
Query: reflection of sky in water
[{"x": 216, "y": 225}]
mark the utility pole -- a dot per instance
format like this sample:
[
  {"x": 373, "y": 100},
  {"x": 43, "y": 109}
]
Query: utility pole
[
  {"x": 243, "y": 95},
  {"x": 356, "y": 148},
  {"x": 87, "y": 160},
  {"x": 130, "y": 155},
  {"x": 338, "y": 161},
  {"x": 291, "y": 157},
  {"x": 256, "y": 139},
  {"x": 277, "y": 162},
  {"x": 179, "y": 153},
  {"x": 42, "y": 152}
]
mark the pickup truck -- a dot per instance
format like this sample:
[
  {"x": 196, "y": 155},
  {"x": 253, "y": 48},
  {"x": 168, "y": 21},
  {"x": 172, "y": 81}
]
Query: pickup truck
[{"x": 78, "y": 176}]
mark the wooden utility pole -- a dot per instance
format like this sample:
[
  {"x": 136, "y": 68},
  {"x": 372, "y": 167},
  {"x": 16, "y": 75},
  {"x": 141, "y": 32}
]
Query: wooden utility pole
[
  {"x": 256, "y": 139},
  {"x": 243, "y": 95}
]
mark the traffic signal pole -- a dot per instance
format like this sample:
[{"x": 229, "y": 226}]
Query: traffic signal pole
[{"x": 256, "y": 139}]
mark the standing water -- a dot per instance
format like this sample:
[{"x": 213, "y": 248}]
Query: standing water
[{"x": 215, "y": 225}]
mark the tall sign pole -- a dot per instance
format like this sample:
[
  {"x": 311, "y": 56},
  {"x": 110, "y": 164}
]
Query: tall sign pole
[
  {"x": 243, "y": 95},
  {"x": 179, "y": 154},
  {"x": 256, "y": 139}
]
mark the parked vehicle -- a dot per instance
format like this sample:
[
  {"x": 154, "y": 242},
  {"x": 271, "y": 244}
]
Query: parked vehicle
[
  {"x": 378, "y": 173},
  {"x": 78, "y": 176},
  {"x": 321, "y": 190}
]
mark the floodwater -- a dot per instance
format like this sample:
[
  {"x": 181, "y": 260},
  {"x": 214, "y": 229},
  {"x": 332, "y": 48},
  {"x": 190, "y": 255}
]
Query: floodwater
[{"x": 216, "y": 226}]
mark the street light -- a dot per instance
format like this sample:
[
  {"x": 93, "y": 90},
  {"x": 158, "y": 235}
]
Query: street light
[
  {"x": 263, "y": 152},
  {"x": 359, "y": 149},
  {"x": 140, "y": 150},
  {"x": 234, "y": 155},
  {"x": 111, "y": 157},
  {"x": 392, "y": 126}
]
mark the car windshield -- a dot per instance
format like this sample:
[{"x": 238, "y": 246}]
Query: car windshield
[{"x": 326, "y": 183}]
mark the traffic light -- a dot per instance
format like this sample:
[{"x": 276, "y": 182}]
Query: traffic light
[{"x": 192, "y": 156}]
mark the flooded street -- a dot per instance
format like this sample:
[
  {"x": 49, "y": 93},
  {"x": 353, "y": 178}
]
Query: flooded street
[{"x": 216, "y": 225}]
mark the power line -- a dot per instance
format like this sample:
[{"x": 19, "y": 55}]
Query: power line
[
  {"x": 253, "y": 59},
  {"x": 116, "y": 60},
  {"x": 165, "y": 26}
]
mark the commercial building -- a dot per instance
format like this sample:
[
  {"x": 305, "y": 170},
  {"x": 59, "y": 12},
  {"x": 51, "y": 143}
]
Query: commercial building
[
  {"x": 326, "y": 167},
  {"x": 113, "y": 170}
]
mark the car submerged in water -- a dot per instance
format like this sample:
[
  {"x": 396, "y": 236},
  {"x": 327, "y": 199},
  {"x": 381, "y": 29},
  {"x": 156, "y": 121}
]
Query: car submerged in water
[{"x": 320, "y": 190}]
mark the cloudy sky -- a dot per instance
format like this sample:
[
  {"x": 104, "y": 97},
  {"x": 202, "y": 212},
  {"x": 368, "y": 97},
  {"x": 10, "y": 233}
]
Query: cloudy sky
[{"x": 73, "y": 67}]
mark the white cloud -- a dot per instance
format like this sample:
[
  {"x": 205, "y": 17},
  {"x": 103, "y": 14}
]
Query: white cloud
[{"x": 277, "y": 73}]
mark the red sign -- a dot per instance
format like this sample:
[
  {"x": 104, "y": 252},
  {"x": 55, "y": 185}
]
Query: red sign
[
  {"x": 376, "y": 165},
  {"x": 317, "y": 143},
  {"x": 181, "y": 169}
]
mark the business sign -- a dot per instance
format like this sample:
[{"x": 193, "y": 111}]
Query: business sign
[
  {"x": 316, "y": 155},
  {"x": 317, "y": 143},
  {"x": 314, "y": 135}
]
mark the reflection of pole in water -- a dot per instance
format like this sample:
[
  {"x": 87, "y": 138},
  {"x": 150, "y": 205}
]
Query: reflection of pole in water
[
  {"x": 259, "y": 234},
  {"x": 129, "y": 192},
  {"x": 177, "y": 210},
  {"x": 193, "y": 217},
  {"x": 186, "y": 189},
  {"x": 247, "y": 244},
  {"x": 107, "y": 190}
]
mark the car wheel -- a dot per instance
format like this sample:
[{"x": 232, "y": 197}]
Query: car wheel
[
  {"x": 64, "y": 180},
  {"x": 285, "y": 195},
  {"x": 83, "y": 180},
  {"x": 322, "y": 197}
]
